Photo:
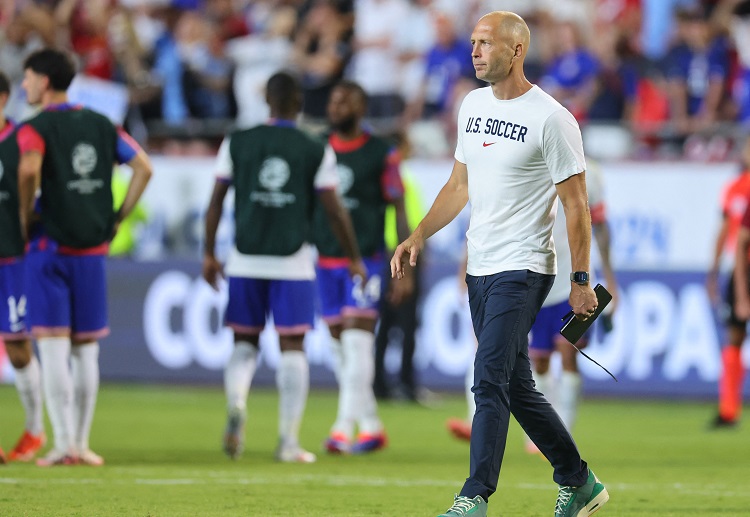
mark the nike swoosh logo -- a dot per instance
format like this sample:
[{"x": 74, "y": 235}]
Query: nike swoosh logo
[{"x": 485, "y": 144}]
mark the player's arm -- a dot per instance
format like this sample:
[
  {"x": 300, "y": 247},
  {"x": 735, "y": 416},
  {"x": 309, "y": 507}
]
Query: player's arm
[
  {"x": 449, "y": 202},
  {"x": 29, "y": 177},
  {"x": 741, "y": 293},
  {"x": 142, "y": 172},
  {"x": 31, "y": 147},
  {"x": 600, "y": 227},
  {"x": 572, "y": 192},
  {"x": 211, "y": 266},
  {"x": 224, "y": 171},
  {"x": 713, "y": 273},
  {"x": 343, "y": 229},
  {"x": 128, "y": 151}
]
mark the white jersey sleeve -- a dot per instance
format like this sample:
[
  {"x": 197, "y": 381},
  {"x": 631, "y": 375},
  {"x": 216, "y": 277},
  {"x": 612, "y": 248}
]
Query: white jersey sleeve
[
  {"x": 327, "y": 176},
  {"x": 562, "y": 146},
  {"x": 224, "y": 166}
]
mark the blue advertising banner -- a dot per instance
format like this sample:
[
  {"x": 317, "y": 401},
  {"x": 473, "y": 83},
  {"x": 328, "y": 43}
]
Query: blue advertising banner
[{"x": 166, "y": 327}]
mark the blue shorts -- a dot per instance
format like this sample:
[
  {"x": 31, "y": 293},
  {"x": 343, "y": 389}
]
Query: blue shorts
[
  {"x": 67, "y": 292},
  {"x": 13, "y": 317},
  {"x": 251, "y": 300},
  {"x": 545, "y": 333},
  {"x": 341, "y": 296}
]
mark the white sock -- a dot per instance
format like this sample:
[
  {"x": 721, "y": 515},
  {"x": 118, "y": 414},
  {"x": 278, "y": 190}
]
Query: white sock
[
  {"x": 238, "y": 375},
  {"x": 568, "y": 395},
  {"x": 29, "y": 386},
  {"x": 361, "y": 345},
  {"x": 471, "y": 405},
  {"x": 346, "y": 413},
  {"x": 293, "y": 382},
  {"x": 545, "y": 384},
  {"x": 338, "y": 358},
  {"x": 57, "y": 383},
  {"x": 84, "y": 361}
]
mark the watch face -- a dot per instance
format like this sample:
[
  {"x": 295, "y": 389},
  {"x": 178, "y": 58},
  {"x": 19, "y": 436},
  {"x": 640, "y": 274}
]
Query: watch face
[{"x": 579, "y": 277}]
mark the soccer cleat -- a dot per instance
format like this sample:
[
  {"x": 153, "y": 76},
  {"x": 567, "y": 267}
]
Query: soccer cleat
[
  {"x": 581, "y": 501},
  {"x": 722, "y": 423},
  {"x": 234, "y": 434},
  {"x": 56, "y": 458},
  {"x": 2, "y": 456},
  {"x": 459, "y": 428},
  {"x": 338, "y": 443},
  {"x": 90, "y": 458},
  {"x": 465, "y": 507},
  {"x": 295, "y": 455},
  {"x": 367, "y": 442},
  {"x": 27, "y": 447}
]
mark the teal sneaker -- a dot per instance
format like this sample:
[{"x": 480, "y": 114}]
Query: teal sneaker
[
  {"x": 581, "y": 501},
  {"x": 463, "y": 506}
]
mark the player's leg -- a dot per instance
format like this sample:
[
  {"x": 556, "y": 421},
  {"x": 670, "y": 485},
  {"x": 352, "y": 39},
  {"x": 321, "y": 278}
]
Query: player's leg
[
  {"x": 358, "y": 341},
  {"x": 13, "y": 327},
  {"x": 89, "y": 324},
  {"x": 331, "y": 279},
  {"x": 246, "y": 315},
  {"x": 569, "y": 387},
  {"x": 293, "y": 308},
  {"x": 407, "y": 322},
  {"x": 389, "y": 320},
  {"x": 732, "y": 372},
  {"x": 330, "y": 283},
  {"x": 48, "y": 297},
  {"x": 29, "y": 386},
  {"x": 732, "y": 378}
]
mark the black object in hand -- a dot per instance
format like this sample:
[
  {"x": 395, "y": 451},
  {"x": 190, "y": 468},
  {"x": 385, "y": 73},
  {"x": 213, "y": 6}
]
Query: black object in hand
[{"x": 573, "y": 329}]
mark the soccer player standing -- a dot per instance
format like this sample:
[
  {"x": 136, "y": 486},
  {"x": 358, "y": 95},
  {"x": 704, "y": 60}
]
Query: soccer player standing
[
  {"x": 369, "y": 181},
  {"x": 13, "y": 302},
  {"x": 734, "y": 203},
  {"x": 276, "y": 171},
  {"x": 518, "y": 150},
  {"x": 70, "y": 153}
]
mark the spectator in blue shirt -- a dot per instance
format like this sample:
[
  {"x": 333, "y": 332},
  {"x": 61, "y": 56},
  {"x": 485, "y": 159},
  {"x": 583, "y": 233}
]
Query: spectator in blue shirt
[
  {"x": 571, "y": 76},
  {"x": 697, "y": 69},
  {"x": 448, "y": 70}
]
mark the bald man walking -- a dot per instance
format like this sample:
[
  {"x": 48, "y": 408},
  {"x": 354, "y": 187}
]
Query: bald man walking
[{"x": 518, "y": 150}]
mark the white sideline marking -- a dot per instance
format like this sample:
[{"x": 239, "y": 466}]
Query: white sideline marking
[{"x": 221, "y": 478}]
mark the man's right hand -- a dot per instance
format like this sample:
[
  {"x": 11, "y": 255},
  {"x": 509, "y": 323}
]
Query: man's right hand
[
  {"x": 410, "y": 248},
  {"x": 212, "y": 271}
]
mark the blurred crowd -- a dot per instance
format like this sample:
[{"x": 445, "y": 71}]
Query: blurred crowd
[{"x": 674, "y": 73}]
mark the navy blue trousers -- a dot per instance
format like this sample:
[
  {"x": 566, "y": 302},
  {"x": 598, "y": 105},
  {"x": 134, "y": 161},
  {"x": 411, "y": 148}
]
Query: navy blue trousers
[{"x": 503, "y": 308}]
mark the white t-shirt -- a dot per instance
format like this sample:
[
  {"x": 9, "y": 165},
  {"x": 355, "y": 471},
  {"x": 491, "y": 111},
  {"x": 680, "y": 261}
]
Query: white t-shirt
[
  {"x": 515, "y": 151},
  {"x": 297, "y": 266},
  {"x": 560, "y": 291}
]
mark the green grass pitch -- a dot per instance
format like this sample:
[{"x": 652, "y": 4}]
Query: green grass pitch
[{"x": 162, "y": 446}]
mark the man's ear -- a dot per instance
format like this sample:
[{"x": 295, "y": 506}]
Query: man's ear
[{"x": 519, "y": 50}]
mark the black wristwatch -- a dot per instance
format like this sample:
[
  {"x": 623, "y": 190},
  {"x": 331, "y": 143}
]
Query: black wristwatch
[{"x": 580, "y": 277}]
